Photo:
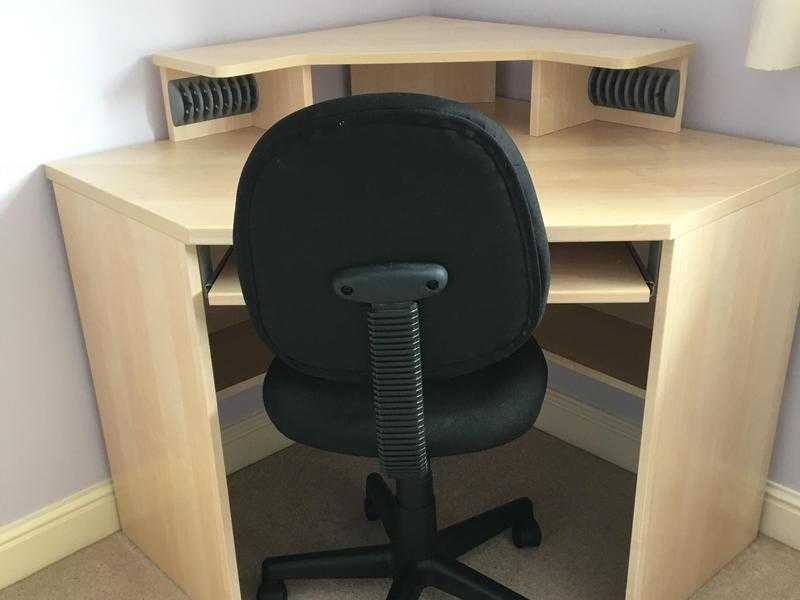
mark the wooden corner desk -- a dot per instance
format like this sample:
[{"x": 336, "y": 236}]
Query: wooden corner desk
[{"x": 723, "y": 212}]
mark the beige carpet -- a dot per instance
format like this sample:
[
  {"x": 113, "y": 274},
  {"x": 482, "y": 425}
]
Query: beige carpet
[{"x": 302, "y": 499}]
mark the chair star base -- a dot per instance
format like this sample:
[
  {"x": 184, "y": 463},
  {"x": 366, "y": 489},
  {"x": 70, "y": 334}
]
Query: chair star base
[{"x": 418, "y": 555}]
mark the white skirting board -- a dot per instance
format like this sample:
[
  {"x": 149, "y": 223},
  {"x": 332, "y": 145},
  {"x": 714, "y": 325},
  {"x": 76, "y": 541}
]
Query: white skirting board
[
  {"x": 583, "y": 426},
  {"x": 250, "y": 440},
  {"x": 58, "y": 530},
  {"x": 781, "y": 517},
  {"x": 617, "y": 441}
]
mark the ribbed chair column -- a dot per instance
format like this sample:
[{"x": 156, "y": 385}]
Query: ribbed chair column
[{"x": 396, "y": 361}]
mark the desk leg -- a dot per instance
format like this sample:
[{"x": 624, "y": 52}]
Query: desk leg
[
  {"x": 725, "y": 315},
  {"x": 141, "y": 307}
]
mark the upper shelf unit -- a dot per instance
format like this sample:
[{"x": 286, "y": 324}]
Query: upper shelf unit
[
  {"x": 577, "y": 76},
  {"x": 424, "y": 40}
]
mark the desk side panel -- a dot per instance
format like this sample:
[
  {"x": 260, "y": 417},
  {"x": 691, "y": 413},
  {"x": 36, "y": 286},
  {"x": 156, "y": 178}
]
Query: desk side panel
[
  {"x": 141, "y": 307},
  {"x": 725, "y": 316}
]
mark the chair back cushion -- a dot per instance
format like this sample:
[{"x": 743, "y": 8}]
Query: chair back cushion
[{"x": 380, "y": 178}]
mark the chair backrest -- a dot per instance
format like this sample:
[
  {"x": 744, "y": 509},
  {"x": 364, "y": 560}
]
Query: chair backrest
[{"x": 382, "y": 178}]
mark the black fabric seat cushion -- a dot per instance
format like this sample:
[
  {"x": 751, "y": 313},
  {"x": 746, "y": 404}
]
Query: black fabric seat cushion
[{"x": 473, "y": 412}]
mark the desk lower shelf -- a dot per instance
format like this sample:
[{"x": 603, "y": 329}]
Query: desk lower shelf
[
  {"x": 581, "y": 274},
  {"x": 608, "y": 349},
  {"x": 603, "y": 347}
]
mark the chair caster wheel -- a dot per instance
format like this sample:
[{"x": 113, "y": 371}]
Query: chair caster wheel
[
  {"x": 526, "y": 533},
  {"x": 369, "y": 510},
  {"x": 272, "y": 590}
]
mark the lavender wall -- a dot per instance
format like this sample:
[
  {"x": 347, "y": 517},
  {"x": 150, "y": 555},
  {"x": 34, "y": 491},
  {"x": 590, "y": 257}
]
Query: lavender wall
[{"x": 78, "y": 75}]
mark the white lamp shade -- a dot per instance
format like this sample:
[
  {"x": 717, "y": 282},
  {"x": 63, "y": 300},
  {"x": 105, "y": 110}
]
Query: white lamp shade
[{"x": 775, "y": 35}]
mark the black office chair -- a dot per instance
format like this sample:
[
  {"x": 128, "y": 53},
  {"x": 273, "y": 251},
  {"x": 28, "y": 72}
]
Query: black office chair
[{"x": 396, "y": 239}]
